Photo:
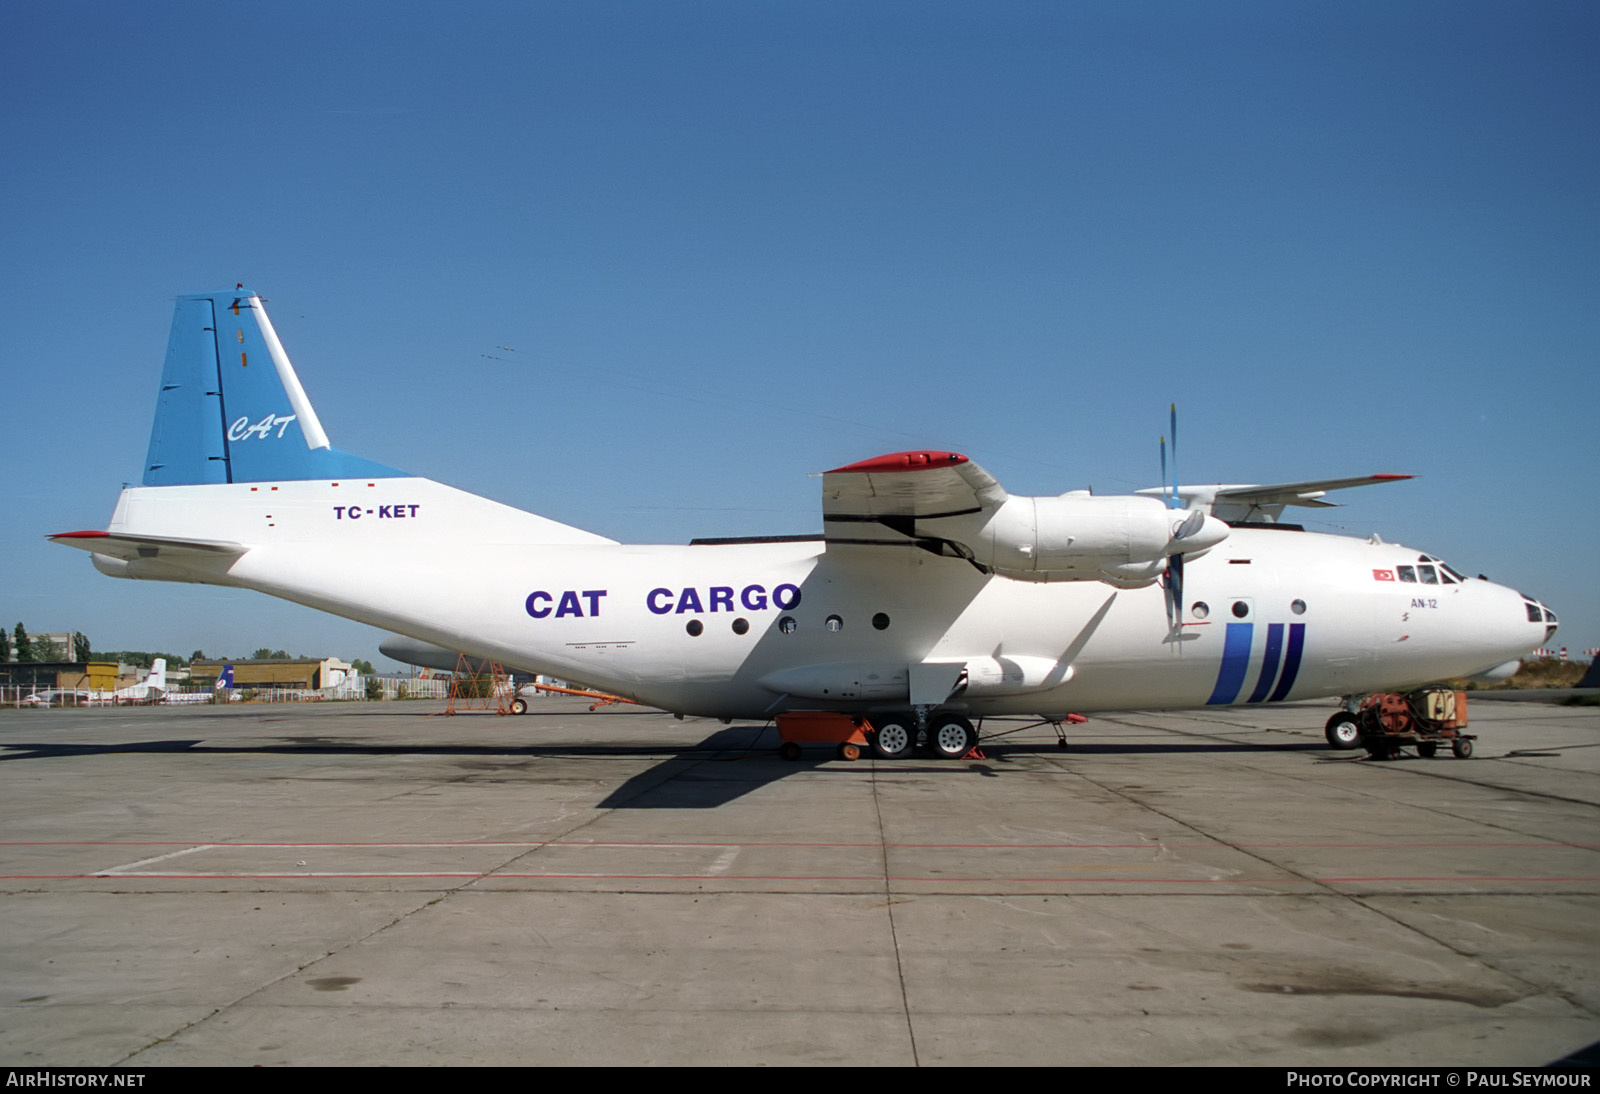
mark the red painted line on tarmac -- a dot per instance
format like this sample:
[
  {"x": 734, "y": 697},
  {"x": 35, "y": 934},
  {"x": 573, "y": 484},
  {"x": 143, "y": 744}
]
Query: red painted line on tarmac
[
  {"x": 947, "y": 879},
  {"x": 779, "y": 843}
]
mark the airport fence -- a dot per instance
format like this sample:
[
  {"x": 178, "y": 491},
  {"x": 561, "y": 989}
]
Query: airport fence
[{"x": 383, "y": 689}]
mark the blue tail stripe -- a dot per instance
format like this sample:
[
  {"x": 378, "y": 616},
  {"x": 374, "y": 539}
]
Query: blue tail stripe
[
  {"x": 1235, "y": 661},
  {"x": 1269, "y": 662},
  {"x": 224, "y": 413},
  {"x": 1291, "y": 663}
]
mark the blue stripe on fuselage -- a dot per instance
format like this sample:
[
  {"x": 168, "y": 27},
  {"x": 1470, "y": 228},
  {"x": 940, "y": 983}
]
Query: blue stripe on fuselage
[
  {"x": 1235, "y": 660},
  {"x": 1291, "y": 662},
  {"x": 1269, "y": 663}
]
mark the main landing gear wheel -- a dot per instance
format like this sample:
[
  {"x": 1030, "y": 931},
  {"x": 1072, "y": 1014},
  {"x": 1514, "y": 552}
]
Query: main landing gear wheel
[
  {"x": 519, "y": 706},
  {"x": 1343, "y": 731},
  {"x": 952, "y": 737},
  {"x": 892, "y": 739}
]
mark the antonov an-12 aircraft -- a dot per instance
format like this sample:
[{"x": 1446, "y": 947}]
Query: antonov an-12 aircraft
[{"x": 932, "y": 596}]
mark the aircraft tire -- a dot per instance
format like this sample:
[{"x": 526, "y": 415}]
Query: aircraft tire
[
  {"x": 519, "y": 706},
  {"x": 892, "y": 739},
  {"x": 952, "y": 737},
  {"x": 1343, "y": 731}
]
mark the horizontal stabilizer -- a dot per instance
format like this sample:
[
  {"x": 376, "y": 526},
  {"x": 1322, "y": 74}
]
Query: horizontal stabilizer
[{"x": 130, "y": 548}]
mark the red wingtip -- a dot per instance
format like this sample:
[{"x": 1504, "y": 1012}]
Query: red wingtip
[
  {"x": 79, "y": 535},
  {"x": 1392, "y": 478},
  {"x": 905, "y": 461}
]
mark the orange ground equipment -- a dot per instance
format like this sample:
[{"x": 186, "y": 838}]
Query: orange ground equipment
[
  {"x": 847, "y": 731},
  {"x": 1423, "y": 719}
]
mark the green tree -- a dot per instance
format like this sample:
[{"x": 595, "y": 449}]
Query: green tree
[
  {"x": 24, "y": 647},
  {"x": 5, "y": 646},
  {"x": 81, "y": 650},
  {"x": 197, "y": 655},
  {"x": 363, "y": 667}
]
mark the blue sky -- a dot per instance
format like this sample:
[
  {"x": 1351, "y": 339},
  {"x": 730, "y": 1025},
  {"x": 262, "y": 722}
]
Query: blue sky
[{"x": 733, "y": 244}]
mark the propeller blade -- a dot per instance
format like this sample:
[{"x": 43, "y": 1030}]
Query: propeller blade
[
  {"x": 1174, "y": 503},
  {"x": 1194, "y": 522},
  {"x": 1164, "y": 496}
]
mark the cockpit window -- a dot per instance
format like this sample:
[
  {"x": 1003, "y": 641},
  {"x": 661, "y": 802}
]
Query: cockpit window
[
  {"x": 1429, "y": 575},
  {"x": 1549, "y": 616},
  {"x": 1534, "y": 615},
  {"x": 1408, "y": 573},
  {"x": 1453, "y": 572}
]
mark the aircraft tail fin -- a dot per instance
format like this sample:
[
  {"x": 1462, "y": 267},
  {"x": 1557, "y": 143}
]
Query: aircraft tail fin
[
  {"x": 157, "y": 679},
  {"x": 225, "y": 679},
  {"x": 231, "y": 408}
]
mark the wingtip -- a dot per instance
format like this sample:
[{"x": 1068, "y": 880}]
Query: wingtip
[{"x": 919, "y": 460}]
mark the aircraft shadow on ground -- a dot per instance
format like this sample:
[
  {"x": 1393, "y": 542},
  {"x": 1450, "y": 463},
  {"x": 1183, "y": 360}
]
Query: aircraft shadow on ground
[{"x": 723, "y": 767}]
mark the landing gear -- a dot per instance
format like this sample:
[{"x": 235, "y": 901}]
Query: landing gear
[
  {"x": 1343, "y": 731},
  {"x": 951, "y": 736},
  {"x": 892, "y": 739},
  {"x": 519, "y": 706}
]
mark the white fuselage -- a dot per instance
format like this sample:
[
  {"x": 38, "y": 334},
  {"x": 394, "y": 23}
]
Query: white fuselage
[{"x": 701, "y": 629}]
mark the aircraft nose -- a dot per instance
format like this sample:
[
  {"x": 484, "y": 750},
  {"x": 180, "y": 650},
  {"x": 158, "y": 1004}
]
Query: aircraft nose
[{"x": 1538, "y": 613}]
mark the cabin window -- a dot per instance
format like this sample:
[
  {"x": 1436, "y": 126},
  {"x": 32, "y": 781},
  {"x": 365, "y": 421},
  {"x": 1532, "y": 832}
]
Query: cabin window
[
  {"x": 1298, "y": 607},
  {"x": 1200, "y": 609},
  {"x": 694, "y": 627},
  {"x": 880, "y": 622},
  {"x": 1407, "y": 573},
  {"x": 740, "y": 626},
  {"x": 787, "y": 625},
  {"x": 834, "y": 623},
  {"x": 1240, "y": 609}
]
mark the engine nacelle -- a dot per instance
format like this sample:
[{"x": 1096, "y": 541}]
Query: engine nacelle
[{"x": 1078, "y": 537}]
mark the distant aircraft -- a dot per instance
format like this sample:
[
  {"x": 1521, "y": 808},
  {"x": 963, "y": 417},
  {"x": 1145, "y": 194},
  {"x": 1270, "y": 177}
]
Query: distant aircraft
[
  {"x": 148, "y": 690},
  {"x": 931, "y": 597},
  {"x": 221, "y": 691}
]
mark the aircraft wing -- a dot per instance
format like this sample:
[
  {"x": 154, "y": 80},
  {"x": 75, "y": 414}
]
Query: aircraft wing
[
  {"x": 917, "y": 485},
  {"x": 879, "y": 501},
  {"x": 1241, "y": 502}
]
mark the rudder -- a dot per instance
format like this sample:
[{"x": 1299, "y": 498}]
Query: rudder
[{"x": 231, "y": 408}]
